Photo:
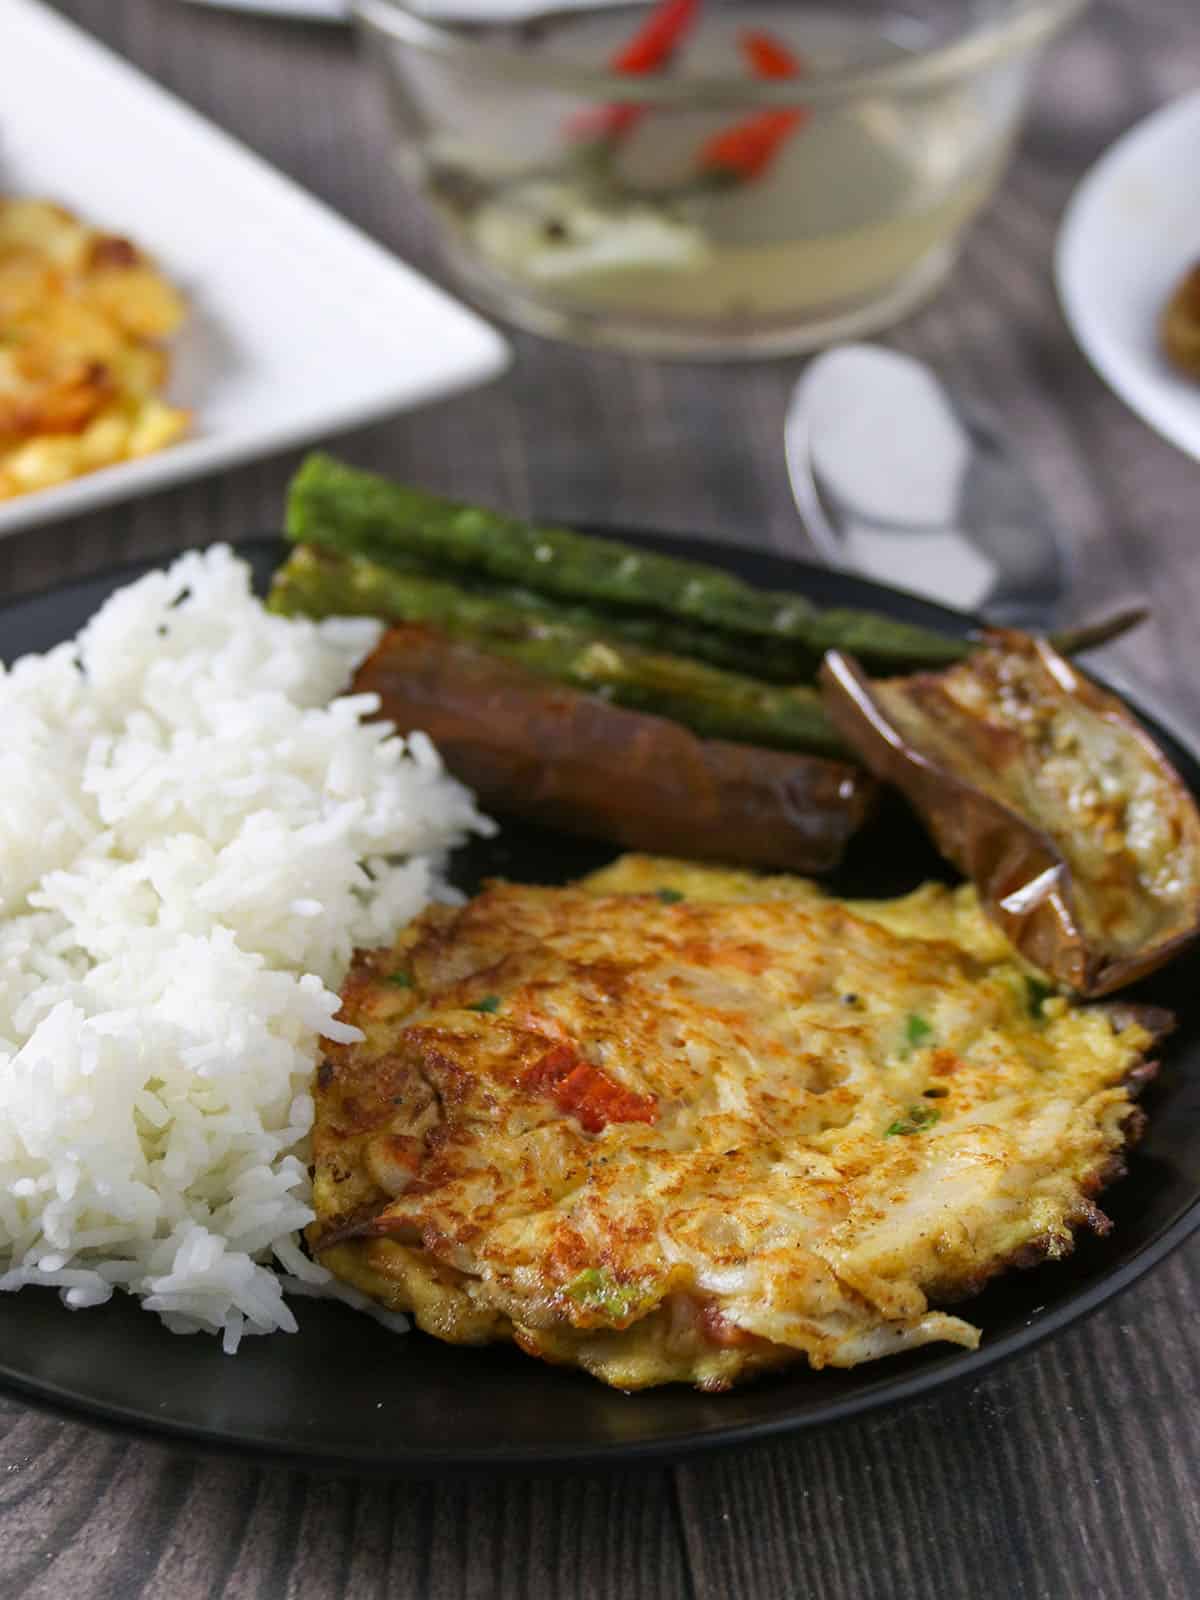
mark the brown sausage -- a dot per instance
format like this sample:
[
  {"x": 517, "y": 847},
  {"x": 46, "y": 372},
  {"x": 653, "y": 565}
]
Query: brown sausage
[{"x": 573, "y": 761}]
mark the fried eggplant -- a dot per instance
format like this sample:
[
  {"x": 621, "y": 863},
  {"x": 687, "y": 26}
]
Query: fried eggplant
[
  {"x": 1081, "y": 838},
  {"x": 573, "y": 761}
]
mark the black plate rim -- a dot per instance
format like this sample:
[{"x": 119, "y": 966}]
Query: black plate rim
[
  {"x": 428, "y": 1459},
  {"x": 432, "y": 1462}
]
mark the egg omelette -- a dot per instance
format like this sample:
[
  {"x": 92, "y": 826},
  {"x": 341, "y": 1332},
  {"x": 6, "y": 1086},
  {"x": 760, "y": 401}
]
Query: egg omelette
[{"x": 677, "y": 1123}]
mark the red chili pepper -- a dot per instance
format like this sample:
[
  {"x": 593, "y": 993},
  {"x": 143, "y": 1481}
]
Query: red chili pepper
[
  {"x": 580, "y": 1090},
  {"x": 656, "y": 41},
  {"x": 650, "y": 49},
  {"x": 745, "y": 151},
  {"x": 769, "y": 58}
]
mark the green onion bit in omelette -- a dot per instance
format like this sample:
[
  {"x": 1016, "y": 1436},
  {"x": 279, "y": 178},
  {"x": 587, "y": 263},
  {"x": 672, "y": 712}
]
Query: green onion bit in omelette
[{"x": 915, "y": 1120}]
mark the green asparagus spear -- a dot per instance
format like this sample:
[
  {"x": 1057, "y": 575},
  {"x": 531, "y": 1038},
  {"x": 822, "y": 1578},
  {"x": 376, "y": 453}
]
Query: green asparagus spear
[
  {"x": 715, "y": 704},
  {"x": 335, "y": 505}
]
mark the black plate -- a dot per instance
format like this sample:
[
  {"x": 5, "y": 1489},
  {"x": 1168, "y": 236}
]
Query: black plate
[{"x": 343, "y": 1393}]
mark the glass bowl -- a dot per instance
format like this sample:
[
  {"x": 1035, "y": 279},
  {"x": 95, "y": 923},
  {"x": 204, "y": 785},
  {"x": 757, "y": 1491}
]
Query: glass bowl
[{"x": 711, "y": 178}]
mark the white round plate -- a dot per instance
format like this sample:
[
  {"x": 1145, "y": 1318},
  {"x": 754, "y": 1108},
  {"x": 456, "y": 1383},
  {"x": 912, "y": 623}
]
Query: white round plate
[{"x": 1131, "y": 230}]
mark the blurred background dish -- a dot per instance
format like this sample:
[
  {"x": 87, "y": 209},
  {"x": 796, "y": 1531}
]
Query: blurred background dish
[
  {"x": 800, "y": 173},
  {"x": 298, "y": 325},
  {"x": 1130, "y": 233}
]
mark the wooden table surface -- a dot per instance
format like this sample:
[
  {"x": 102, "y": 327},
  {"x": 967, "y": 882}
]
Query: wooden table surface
[{"x": 1074, "y": 1470}]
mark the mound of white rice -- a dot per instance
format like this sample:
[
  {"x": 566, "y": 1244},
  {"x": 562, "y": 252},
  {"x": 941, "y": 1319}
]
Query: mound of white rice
[{"x": 193, "y": 837}]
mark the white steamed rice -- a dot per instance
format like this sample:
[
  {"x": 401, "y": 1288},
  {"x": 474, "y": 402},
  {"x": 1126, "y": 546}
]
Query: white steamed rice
[{"x": 193, "y": 837}]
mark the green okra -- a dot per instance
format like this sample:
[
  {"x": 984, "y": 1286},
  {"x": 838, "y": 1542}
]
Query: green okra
[
  {"x": 661, "y": 602},
  {"x": 714, "y": 703},
  {"x": 338, "y": 506}
]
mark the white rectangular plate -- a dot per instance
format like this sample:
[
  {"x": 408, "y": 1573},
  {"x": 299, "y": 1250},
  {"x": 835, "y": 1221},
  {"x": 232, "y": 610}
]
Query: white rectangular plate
[
  {"x": 300, "y": 325},
  {"x": 309, "y": 10},
  {"x": 339, "y": 10}
]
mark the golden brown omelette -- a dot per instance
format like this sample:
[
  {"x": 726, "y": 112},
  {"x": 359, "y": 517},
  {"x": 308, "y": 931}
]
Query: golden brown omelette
[{"x": 681, "y": 1124}]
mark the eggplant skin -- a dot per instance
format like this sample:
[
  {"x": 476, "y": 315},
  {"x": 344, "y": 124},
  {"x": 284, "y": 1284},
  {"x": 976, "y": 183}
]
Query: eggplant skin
[
  {"x": 1081, "y": 838},
  {"x": 573, "y": 761}
]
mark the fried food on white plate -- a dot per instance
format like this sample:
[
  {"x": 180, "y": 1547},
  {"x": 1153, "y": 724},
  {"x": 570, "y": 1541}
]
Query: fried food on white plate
[{"x": 83, "y": 319}]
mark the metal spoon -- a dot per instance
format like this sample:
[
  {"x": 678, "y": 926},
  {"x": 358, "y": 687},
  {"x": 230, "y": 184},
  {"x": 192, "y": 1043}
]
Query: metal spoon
[{"x": 897, "y": 478}]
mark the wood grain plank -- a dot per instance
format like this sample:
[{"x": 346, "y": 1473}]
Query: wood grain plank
[{"x": 1056, "y": 1477}]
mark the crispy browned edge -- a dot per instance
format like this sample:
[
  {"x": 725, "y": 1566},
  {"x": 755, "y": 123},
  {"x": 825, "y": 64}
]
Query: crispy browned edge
[
  {"x": 997, "y": 847},
  {"x": 1159, "y": 1023}
]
